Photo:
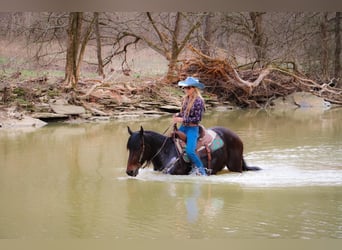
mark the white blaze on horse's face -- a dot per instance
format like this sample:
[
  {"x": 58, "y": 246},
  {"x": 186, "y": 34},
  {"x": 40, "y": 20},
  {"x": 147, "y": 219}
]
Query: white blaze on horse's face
[{"x": 135, "y": 145}]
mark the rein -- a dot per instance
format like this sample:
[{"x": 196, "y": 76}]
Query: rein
[{"x": 155, "y": 155}]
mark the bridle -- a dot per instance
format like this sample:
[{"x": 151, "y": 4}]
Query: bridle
[
  {"x": 155, "y": 155},
  {"x": 142, "y": 151}
]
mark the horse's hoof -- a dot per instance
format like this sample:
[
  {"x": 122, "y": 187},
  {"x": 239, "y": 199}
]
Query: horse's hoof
[{"x": 208, "y": 171}]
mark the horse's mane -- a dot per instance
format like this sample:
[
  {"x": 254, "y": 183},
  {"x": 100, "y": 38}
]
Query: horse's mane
[
  {"x": 148, "y": 137},
  {"x": 155, "y": 135}
]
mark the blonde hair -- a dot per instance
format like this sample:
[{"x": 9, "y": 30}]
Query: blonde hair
[{"x": 190, "y": 101}]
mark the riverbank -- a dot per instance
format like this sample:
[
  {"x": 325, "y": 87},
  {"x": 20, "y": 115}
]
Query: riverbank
[{"x": 33, "y": 103}]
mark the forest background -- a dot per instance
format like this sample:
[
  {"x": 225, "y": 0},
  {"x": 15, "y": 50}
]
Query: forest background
[{"x": 100, "y": 59}]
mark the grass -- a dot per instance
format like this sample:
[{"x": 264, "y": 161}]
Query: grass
[
  {"x": 143, "y": 62},
  {"x": 3, "y": 60}
]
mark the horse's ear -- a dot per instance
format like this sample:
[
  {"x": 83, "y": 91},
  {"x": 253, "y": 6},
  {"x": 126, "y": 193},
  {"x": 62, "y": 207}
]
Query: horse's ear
[
  {"x": 129, "y": 130},
  {"x": 141, "y": 131}
]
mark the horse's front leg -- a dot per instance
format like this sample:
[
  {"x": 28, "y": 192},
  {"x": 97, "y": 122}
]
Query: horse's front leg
[
  {"x": 177, "y": 167},
  {"x": 169, "y": 168}
]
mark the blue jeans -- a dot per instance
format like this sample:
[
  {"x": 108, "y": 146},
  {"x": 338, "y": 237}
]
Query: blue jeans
[{"x": 191, "y": 143}]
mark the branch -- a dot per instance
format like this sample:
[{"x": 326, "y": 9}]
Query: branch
[
  {"x": 90, "y": 91},
  {"x": 156, "y": 29},
  {"x": 251, "y": 85}
]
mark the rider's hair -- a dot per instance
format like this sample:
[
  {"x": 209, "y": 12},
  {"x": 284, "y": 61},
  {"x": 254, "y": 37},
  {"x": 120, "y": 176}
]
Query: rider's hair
[{"x": 189, "y": 101}]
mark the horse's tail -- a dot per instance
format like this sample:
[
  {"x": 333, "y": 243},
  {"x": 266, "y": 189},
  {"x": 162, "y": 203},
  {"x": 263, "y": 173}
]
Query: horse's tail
[{"x": 249, "y": 168}]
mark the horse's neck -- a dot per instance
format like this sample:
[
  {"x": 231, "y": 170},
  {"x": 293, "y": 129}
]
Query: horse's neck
[
  {"x": 155, "y": 140},
  {"x": 161, "y": 153}
]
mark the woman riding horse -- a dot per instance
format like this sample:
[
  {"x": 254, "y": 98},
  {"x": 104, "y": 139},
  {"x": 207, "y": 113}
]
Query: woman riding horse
[
  {"x": 151, "y": 147},
  {"x": 190, "y": 117}
]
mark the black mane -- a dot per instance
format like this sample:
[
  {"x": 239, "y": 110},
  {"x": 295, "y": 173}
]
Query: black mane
[{"x": 150, "y": 137}]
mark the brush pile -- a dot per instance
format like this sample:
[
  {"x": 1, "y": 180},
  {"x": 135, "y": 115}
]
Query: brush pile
[{"x": 253, "y": 88}]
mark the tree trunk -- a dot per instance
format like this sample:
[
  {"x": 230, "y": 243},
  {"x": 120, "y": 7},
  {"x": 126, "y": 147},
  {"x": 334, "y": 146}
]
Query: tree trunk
[
  {"x": 258, "y": 38},
  {"x": 98, "y": 46},
  {"x": 325, "y": 49},
  {"x": 337, "y": 61},
  {"x": 172, "y": 39},
  {"x": 172, "y": 75},
  {"x": 74, "y": 34},
  {"x": 207, "y": 35},
  {"x": 173, "y": 68},
  {"x": 76, "y": 48}
]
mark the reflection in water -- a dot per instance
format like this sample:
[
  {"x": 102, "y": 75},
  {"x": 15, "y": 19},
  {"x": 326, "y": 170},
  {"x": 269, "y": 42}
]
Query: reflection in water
[
  {"x": 210, "y": 206},
  {"x": 191, "y": 204},
  {"x": 69, "y": 181}
]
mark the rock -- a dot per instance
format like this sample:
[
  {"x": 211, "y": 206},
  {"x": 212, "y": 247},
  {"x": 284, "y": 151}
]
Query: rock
[
  {"x": 25, "y": 123},
  {"x": 99, "y": 118},
  {"x": 66, "y": 109},
  {"x": 50, "y": 117},
  {"x": 300, "y": 100},
  {"x": 97, "y": 112},
  {"x": 42, "y": 108},
  {"x": 308, "y": 100},
  {"x": 224, "y": 108},
  {"x": 286, "y": 102},
  {"x": 169, "y": 108},
  {"x": 60, "y": 102}
]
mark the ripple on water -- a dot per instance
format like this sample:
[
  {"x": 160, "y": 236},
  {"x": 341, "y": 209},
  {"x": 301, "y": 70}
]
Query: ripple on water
[{"x": 300, "y": 166}]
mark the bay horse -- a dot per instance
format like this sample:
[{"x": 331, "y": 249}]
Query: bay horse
[{"x": 149, "y": 146}]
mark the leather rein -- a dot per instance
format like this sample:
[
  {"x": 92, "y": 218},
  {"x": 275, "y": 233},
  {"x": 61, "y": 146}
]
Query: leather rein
[{"x": 147, "y": 163}]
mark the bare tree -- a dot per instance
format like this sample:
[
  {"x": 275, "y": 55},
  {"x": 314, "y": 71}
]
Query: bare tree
[
  {"x": 207, "y": 34},
  {"x": 324, "y": 49},
  {"x": 98, "y": 45},
  {"x": 170, "y": 41},
  {"x": 310, "y": 40},
  {"x": 76, "y": 45},
  {"x": 257, "y": 35},
  {"x": 166, "y": 33},
  {"x": 247, "y": 29},
  {"x": 337, "y": 61}
]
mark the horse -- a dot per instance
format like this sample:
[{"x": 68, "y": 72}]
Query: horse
[{"x": 148, "y": 146}]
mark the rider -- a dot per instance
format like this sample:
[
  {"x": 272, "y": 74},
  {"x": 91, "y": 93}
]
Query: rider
[{"x": 190, "y": 116}]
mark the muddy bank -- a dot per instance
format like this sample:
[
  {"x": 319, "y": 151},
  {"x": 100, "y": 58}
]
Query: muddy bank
[
  {"x": 47, "y": 100},
  {"x": 35, "y": 103}
]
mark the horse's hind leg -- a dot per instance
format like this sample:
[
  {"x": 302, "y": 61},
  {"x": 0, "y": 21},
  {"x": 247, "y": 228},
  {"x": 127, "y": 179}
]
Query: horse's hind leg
[{"x": 234, "y": 162}]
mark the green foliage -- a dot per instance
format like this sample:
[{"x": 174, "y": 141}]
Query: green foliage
[
  {"x": 24, "y": 104},
  {"x": 3, "y": 60},
  {"x": 53, "y": 93},
  {"x": 19, "y": 92}
]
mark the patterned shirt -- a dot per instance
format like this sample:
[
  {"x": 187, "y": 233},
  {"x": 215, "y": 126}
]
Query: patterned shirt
[{"x": 195, "y": 114}]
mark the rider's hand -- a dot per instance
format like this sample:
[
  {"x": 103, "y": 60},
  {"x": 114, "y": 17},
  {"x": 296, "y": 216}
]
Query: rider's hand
[{"x": 177, "y": 119}]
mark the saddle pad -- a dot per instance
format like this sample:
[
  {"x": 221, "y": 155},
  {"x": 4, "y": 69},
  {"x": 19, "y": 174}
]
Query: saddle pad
[
  {"x": 215, "y": 141},
  {"x": 212, "y": 139}
]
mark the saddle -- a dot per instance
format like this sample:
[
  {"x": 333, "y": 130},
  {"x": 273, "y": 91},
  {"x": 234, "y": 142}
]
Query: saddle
[{"x": 208, "y": 141}]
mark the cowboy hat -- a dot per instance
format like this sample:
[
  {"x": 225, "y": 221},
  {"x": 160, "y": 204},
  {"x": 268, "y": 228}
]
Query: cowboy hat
[{"x": 191, "y": 82}]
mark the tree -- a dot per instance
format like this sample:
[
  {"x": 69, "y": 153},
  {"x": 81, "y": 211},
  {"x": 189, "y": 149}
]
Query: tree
[
  {"x": 166, "y": 33},
  {"x": 337, "y": 61},
  {"x": 246, "y": 31},
  {"x": 76, "y": 45},
  {"x": 98, "y": 45},
  {"x": 207, "y": 34},
  {"x": 257, "y": 35},
  {"x": 324, "y": 49}
]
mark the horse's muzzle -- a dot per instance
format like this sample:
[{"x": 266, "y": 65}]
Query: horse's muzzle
[{"x": 132, "y": 172}]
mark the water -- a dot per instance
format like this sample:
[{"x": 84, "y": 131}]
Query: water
[{"x": 69, "y": 181}]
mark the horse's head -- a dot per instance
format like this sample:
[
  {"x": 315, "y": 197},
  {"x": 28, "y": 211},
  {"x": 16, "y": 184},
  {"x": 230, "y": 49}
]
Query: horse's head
[{"x": 136, "y": 148}]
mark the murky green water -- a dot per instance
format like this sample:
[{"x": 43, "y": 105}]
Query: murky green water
[{"x": 69, "y": 181}]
